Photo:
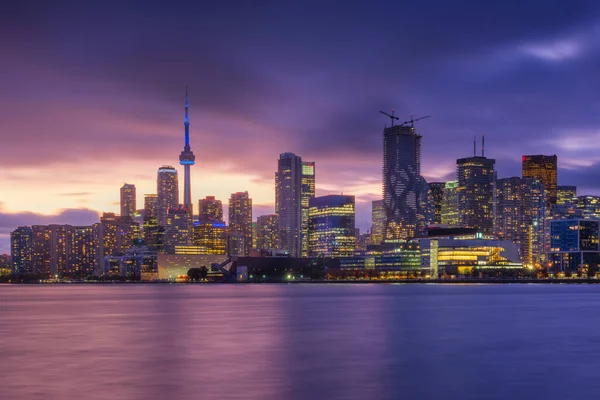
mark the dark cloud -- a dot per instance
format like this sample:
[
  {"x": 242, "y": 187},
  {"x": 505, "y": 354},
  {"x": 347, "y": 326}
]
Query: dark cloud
[{"x": 9, "y": 221}]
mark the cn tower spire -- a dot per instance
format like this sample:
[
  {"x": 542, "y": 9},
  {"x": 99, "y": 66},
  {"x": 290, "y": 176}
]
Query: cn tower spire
[
  {"x": 187, "y": 159},
  {"x": 186, "y": 123}
]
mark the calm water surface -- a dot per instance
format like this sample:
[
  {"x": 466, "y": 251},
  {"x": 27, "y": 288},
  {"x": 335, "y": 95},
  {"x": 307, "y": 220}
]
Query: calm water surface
[{"x": 300, "y": 342}]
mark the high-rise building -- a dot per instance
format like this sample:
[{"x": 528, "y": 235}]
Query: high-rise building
[
  {"x": 178, "y": 230},
  {"x": 476, "y": 190},
  {"x": 288, "y": 203},
  {"x": 566, "y": 194},
  {"x": 211, "y": 237},
  {"x": 151, "y": 206},
  {"x": 574, "y": 246},
  {"x": 240, "y": 221},
  {"x": 114, "y": 234},
  {"x": 266, "y": 232},
  {"x": 331, "y": 226},
  {"x": 308, "y": 192},
  {"x": 377, "y": 221},
  {"x": 210, "y": 210},
  {"x": 543, "y": 168},
  {"x": 589, "y": 206},
  {"x": 128, "y": 207},
  {"x": 187, "y": 159},
  {"x": 167, "y": 192},
  {"x": 40, "y": 255},
  {"x": 81, "y": 251},
  {"x": 437, "y": 197},
  {"x": 426, "y": 214},
  {"x": 21, "y": 247},
  {"x": 153, "y": 232},
  {"x": 520, "y": 216},
  {"x": 450, "y": 204},
  {"x": 401, "y": 180}
]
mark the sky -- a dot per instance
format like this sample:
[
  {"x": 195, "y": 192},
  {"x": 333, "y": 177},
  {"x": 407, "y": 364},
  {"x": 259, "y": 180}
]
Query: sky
[{"x": 93, "y": 95}]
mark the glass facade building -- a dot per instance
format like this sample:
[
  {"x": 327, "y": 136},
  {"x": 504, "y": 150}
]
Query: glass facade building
[
  {"x": 476, "y": 192},
  {"x": 21, "y": 248},
  {"x": 307, "y": 193},
  {"x": 240, "y": 222},
  {"x": 266, "y": 232},
  {"x": 437, "y": 197},
  {"x": 566, "y": 194},
  {"x": 128, "y": 205},
  {"x": 544, "y": 169},
  {"x": 574, "y": 246},
  {"x": 210, "y": 210},
  {"x": 378, "y": 217},
  {"x": 331, "y": 226},
  {"x": 168, "y": 192},
  {"x": 449, "y": 211}
]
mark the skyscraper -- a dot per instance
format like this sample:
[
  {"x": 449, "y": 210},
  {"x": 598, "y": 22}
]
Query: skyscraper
[
  {"x": 210, "y": 210},
  {"x": 40, "y": 255},
  {"x": 377, "y": 221},
  {"x": 401, "y": 180},
  {"x": 128, "y": 206},
  {"x": 211, "y": 236},
  {"x": 437, "y": 197},
  {"x": 21, "y": 247},
  {"x": 450, "y": 204},
  {"x": 240, "y": 221},
  {"x": 81, "y": 251},
  {"x": 476, "y": 186},
  {"x": 331, "y": 226},
  {"x": 308, "y": 192},
  {"x": 187, "y": 159},
  {"x": 178, "y": 230},
  {"x": 288, "y": 203},
  {"x": 266, "y": 232},
  {"x": 151, "y": 206},
  {"x": 543, "y": 168},
  {"x": 168, "y": 192}
]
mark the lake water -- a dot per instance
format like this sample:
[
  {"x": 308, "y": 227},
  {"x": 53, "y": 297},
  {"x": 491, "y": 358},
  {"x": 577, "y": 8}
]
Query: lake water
[{"x": 320, "y": 341}]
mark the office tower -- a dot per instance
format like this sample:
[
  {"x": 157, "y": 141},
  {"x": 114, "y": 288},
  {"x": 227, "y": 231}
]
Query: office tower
[
  {"x": 377, "y": 221},
  {"x": 81, "y": 251},
  {"x": 153, "y": 233},
  {"x": 266, "y": 232},
  {"x": 178, "y": 230},
  {"x": 240, "y": 221},
  {"x": 288, "y": 203},
  {"x": 211, "y": 236},
  {"x": 449, "y": 213},
  {"x": 151, "y": 206},
  {"x": 128, "y": 207},
  {"x": 520, "y": 216},
  {"x": 476, "y": 187},
  {"x": 574, "y": 246},
  {"x": 331, "y": 229},
  {"x": 21, "y": 247},
  {"x": 437, "y": 197},
  {"x": 167, "y": 192},
  {"x": 401, "y": 181},
  {"x": 426, "y": 214},
  {"x": 543, "y": 168},
  {"x": 58, "y": 250},
  {"x": 210, "y": 210},
  {"x": 566, "y": 194},
  {"x": 40, "y": 256},
  {"x": 187, "y": 159},
  {"x": 308, "y": 192},
  {"x": 589, "y": 206}
]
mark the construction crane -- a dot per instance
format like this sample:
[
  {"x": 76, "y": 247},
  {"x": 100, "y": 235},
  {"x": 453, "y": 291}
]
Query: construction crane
[
  {"x": 392, "y": 116},
  {"x": 412, "y": 120}
]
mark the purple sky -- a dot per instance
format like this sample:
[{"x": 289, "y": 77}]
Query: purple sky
[{"x": 92, "y": 95}]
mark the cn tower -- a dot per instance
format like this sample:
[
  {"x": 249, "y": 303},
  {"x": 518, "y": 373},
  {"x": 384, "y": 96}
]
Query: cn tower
[{"x": 187, "y": 159}]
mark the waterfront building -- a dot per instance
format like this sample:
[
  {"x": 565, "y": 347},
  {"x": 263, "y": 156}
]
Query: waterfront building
[
  {"x": 174, "y": 267},
  {"x": 449, "y": 213},
  {"x": 211, "y": 237},
  {"x": 187, "y": 159},
  {"x": 178, "y": 230},
  {"x": 574, "y": 246},
  {"x": 544, "y": 169},
  {"x": 288, "y": 202},
  {"x": 128, "y": 205},
  {"x": 437, "y": 198},
  {"x": 378, "y": 218},
  {"x": 210, "y": 210},
  {"x": 331, "y": 226},
  {"x": 136, "y": 263},
  {"x": 401, "y": 181},
  {"x": 266, "y": 232},
  {"x": 81, "y": 251},
  {"x": 589, "y": 206},
  {"x": 168, "y": 192},
  {"x": 240, "y": 222},
  {"x": 400, "y": 259},
  {"x": 21, "y": 248},
  {"x": 566, "y": 194},
  {"x": 476, "y": 187}
]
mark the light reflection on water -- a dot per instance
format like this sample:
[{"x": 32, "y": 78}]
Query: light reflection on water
[{"x": 299, "y": 341}]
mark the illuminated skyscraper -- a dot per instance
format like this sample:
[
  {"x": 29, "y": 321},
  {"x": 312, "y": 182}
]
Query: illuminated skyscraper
[
  {"x": 21, "y": 247},
  {"x": 543, "y": 168},
  {"x": 331, "y": 226},
  {"x": 240, "y": 221},
  {"x": 211, "y": 237},
  {"x": 128, "y": 206},
  {"x": 114, "y": 234},
  {"x": 476, "y": 186},
  {"x": 377, "y": 221},
  {"x": 187, "y": 159},
  {"x": 308, "y": 192},
  {"x": 437, "y": 197},
  {"x": 168, "y": 192},
  {"x": 566, "y": 194},
  {"x": 426, "y": 214},
  {"x": 266, "y": 232},
  {"x": 401, "y": 181},
  {"x": 81, "y": 251},
  {"x": 40, "y": 256},
  {"x": 450, "y": 204},
  {"x": 589, "y": 206},
  {"x": 178, "y": 230},
  {"x": 288, "y": 202},
  {"x": 151, "y": 206},
  {"x": 210, "y": 210}
]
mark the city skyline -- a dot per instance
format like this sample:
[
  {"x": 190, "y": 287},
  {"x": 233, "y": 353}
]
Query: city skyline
[{"x": 60, "y": 109}]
